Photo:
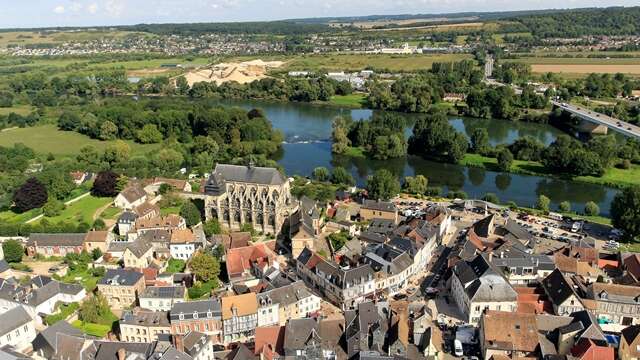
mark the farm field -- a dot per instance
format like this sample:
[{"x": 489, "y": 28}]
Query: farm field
[
  {"x": 48, "y": 139},
  {"x": 50, "y": 37},
  {"x": 586, "y": 69},
  {"x": 577, "y": 61}
]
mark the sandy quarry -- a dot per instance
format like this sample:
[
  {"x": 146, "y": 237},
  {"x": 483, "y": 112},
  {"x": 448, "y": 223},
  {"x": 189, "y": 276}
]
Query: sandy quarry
[{"x": 240, "y": 72}]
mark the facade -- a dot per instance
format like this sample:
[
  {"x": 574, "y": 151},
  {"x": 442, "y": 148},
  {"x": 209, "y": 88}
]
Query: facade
[
  {"x": 162, "y": 298},
  {"x": 523, "y": 270},
  {"x": 630, "y": 343},
  {"x": 239, "y": 317},
  {"x": 138, "y": 254},
  {"x": 238, "y": 195},
  {"x": 618, "y": 306},
  {"x": 97, "y": 240},
  {"x": 144, "y": 326},
  {"x": 561, "y": 294},
  {"x": 476, "y": 286},
  {"x": 55, "y": 244},
  {"x": 392, "y": 268},
  {"x": 130, "y": 198},
  {"x": 309, "y": 223},
  {"x": 17, "y": 329},
  {"x": 204, "y": 316},
  {"x": 292, "y": 301},
  {"x": 121, "y": 287},
  {"x": 183, "y": 244},
  {"x": 372, "y": 209}
]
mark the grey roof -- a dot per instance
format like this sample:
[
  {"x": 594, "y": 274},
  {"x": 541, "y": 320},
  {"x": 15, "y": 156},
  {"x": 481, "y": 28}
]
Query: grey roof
[
  {"x": 108, "y": 350},
  {"x": 381, "y": 226},
  {"x": 145, "y": 317},
  {"x": 49, "y": 336},
  {"x": 590, "y": 325},
  {"x": 482, "y": 282},
  {"x": 13, "y": 318},
  {"x": 156, "y": 236},
  {"x": 139, "y": 247},
  {"x": 56, "y": 239},
  {"x": 285, "y": 295},
  {"x": 379, "y": 205},
  {"x": 194, "y": 341},
  {"x": 372, "y": 237},
  {"x": 120, "y": 277},
  {"x": 537, "y": 262},
  {"x": 557, "y": 287},
  {"x": 173, "y": 354},
  {"x": 4, "y": 266},
  {"x": 70, "y": 347},
  {"x": 8, "y": 352},
  {"x": 133, "y": 193},
  {"x": 246, "y": 174},
  {"x": 298, "y": 332},
  {"x": 164, "y": 292},
  {"x": 388, "y": 259},
  {"x": 42, "y": 289},
  {"x": 484, "y": 227},
  {"x": 202, "y": 308},
  {"x": 128, "y": 217}
]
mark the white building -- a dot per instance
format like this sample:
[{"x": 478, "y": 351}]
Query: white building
[
  {"x": 162, "y": 298},
  {"x": 17, "y": 328},
  {"x": 293, "y": 301}
]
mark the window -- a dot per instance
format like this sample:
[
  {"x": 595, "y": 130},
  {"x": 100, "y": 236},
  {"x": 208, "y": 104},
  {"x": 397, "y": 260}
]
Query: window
[{"x": 25, "y": 328}]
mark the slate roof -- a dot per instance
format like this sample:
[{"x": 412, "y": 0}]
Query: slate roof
[
  {"x": 163, "y": 292},
  {"x": 13, "y": 318},
  {"x": 173, "y": 354},
  {"x": 41, "y": 290},
  {"x": 630, "y": 333},
  {"x": 379, "y": 205},
  {"x": 127, "y": 217},
  {"x": 120, "y": 277},
  {"x": 56, "y": 239},
  {"x": 49, "y": 336},
  {"x": 194, "y": 341},
  {"x": 298, "y": 332},
  {"x": 388, "y": 259},
  {"x": 381, "y": 226},
  {"x": 557, "y": 287},
  {"x": 145, "y": 317},
  {"x": 108, "y": 350},
  {"x": 285, "y": 295},
  {"x": 246, "y": 174},
  {"x": 4, "y": 266},
  {"x": 139, "y": 247},
  {"x": 133, "y": 193},
  {"x": 202, "y": 308},
  {"x": 482, "y": 282}
]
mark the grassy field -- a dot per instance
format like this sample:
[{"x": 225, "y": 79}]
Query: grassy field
[
  {"x": 613, "y": 177},
  {"x": 13, "y": 218},
  {"x": 42, "y": 37},
  {"x": 18, "y": 109},
  {"x": 81, "y": 210},
  {"x": 48, "y": 139},
  {"x": 353, "y": 100},
  {"x": 111, "y": 213},
  {"x": 630, "y": 247},
  {"x": 576, "y": 61}
]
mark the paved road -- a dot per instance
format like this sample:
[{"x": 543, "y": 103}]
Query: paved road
[{"x": 602, "y": 119}]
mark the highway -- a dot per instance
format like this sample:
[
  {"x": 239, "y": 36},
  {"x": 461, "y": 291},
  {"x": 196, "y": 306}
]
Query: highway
[{"x": 601, "y": 119}]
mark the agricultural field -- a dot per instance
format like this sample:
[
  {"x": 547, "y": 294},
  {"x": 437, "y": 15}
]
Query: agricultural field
[
  {"x": 47, "y": 139},
  {"x": 56, "y": 37}
]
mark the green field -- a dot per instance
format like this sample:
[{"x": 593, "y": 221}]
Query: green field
[
  {"x": 18, "y": 109},
  {"x": 46, "y": 139},
  {"x": 13, "y": 218},
  {"x": 353, "y": 100},
  {"x": 42, "y": 37},
  {"x": 576, "y": 61},
  {"x": 97, "y": 330},
  {"x": 81, "y": 210}
]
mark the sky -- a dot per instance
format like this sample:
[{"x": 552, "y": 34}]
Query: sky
[{"x": 47, "y": 13}]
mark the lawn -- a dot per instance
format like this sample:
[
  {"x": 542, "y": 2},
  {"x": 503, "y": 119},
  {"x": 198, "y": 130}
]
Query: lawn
[
  {"x": 170, "y": 210},
  {"x": 202, "y": 290},
  {"x": 111, "y": 213},
  {"x": 65, "y": 310},
  {"x": 97, "y": 330},
  {"x": 81, "y": 210},
  {"x": 14, "y": 218},
  {"x": 46, "y": 139},
  {"x": 630, "y": 247},
  {"x": 353, "y": 100},
  {"x": 86, "y": 278},
  {"x": 18, "y": 109}
]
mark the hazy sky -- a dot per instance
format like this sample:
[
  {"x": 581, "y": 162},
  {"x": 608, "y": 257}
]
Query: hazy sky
[{"x": 42, "y": 13}]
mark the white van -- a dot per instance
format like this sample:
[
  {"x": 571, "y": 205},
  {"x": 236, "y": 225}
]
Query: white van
[{"x": 457, "y": 348}]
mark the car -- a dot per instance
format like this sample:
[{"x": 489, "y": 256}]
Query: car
[
  {"x": 431, "y": 291},
  {"x": 53, "y": 269},
  {"x": 457, "y": 348},
  {"x": 399, "y": 296}
]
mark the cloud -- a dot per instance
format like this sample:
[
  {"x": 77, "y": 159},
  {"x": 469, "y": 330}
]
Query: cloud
[
  {"x": 92, "y": 8},
  {"x": 114, "y": 7},
  {"x": 59, "y": 9},
  {"x": 75, "y": 6}
]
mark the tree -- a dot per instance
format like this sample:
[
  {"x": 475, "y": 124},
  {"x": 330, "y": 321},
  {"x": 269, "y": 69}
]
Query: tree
[
  {"x": 99, "y": 224},
  {"x": 108, "y": 131},
  {"x": 434, "y": 137},
  {"x": 189, "y": 211},
  {"x": 165, "y": 188},
  {"x": 342, "y": 176},
  {"x": 415, "y": 185},
  {"x": 58, "y": 182},
  {"x": 505, "y": 159},
  {"x": 31, "y": 195},
  {"x": 565, "y": 206},
  {"x": 625, "y": 212},
  {"x": 13, "y": 251},
  {"x": 543, "y": 203},
  {"x": 182, "y": 85},
  {"x": 212, "y": 227},
  {"x": 338, "y": 239},
  {"x": 149, "y": 134},
  {"x": 480, "y": 141},
  {"x": 117, "y": 153},
  {"x": 105, "y": 184},
  {"x": 339, "y": 136},
  {"x": 383, "y": 185},
  {"x": 321, "y": 174},
  {"x": 95, "y": 309},
  {"x": 591, "y": 209},
  {"x": 205, "y": 266},
  {"x": 96, "y": 253},
  {"x": 53, "y": 208},
  {"x": 492, "y": 198}
]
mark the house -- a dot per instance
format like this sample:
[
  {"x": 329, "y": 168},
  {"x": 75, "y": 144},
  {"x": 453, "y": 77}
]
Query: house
[
  {"x": 162, "y": 298},
  {"x": 477, "y": 286},
  {"x": 372, "y": 209},
  {"x": 17, "y": 328},
  {"x": 55, "y": 244},
  {"x": 391, "y": 266},
  {"x": 72, "y": 347},
  {"x": 39, "y": 296},
  {"x": 343, "y": 286},
  {"x": 508, "y": 334},
  {"x": 195, "y": 344},
  {"x": 523, "y": 269},
  {"x": 239, "y": 317},
  {"x": 183, "y": 244},
  {"x": 630, "y": 343},
  {"x": 232, "y": 240},
  {"x": 269, "y": 342},
  {"x": 97, "y": 240},
  {"x": 303, "y": 338},
  {"x": 561, "y": 294},
  {"x": 126, "y": 222},
  {"x": 292, "y": 301},
  {"x": 175, "y": 184},
  {"x": 121, "y": 287},
  {"x": 246, "y": 265},
  {"x": 146, "y": 210},
  {"x": 308, "y": 224},
  {"x": 618, "y": 306},
  {"x": 587, "y": 349},
  {"x": 131, "y": 197},
  {"x": 204, "y": 316},
  {"x": 80, "y": 177},
  {"x": 170, "y": 222},
  {"x": 46, "y": 342},
  {"x": 138, "y": 254},
  {"x": 140, "y": 325},
  {"x": 631, "y": 268}
]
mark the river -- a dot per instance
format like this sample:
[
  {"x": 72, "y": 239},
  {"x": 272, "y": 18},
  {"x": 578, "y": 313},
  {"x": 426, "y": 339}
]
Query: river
[{"x": 307, "y": 130}]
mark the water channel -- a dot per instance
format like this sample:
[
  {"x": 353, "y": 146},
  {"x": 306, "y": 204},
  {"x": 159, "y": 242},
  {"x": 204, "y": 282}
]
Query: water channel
[{"x": 307, "y": 130}]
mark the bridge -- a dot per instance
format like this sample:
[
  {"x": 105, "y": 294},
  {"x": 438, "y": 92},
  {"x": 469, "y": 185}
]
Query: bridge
[{"x": 600, "y": 120}]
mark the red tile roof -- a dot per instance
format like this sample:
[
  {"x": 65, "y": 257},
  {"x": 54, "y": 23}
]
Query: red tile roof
[
  {"x": 240, "y": 259},
  {"x": 586, "y": 349},
  {"x": 269, "y": 339}
]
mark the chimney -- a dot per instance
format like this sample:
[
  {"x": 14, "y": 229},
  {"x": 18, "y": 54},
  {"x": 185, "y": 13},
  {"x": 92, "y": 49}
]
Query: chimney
[
  {"x": 122, "y": 354},
  {"x": 178, "y": 342},
  {"x": 491, "y": 256}
]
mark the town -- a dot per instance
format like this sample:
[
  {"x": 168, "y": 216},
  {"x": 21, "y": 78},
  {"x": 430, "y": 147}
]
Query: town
[{"x": 348, "y": 278}]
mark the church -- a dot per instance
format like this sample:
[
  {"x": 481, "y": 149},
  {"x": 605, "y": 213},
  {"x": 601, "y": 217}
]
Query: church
[{"x": 237, "y": 195}]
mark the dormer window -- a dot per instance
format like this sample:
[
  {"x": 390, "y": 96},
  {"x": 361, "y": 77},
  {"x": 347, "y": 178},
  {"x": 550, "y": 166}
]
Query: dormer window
[
  {"x": 604, "y": 295},
  {"x": 209, "y": 314},
  {"x": 195, "y": 314},
  {"x": 181, "y": 316}
]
